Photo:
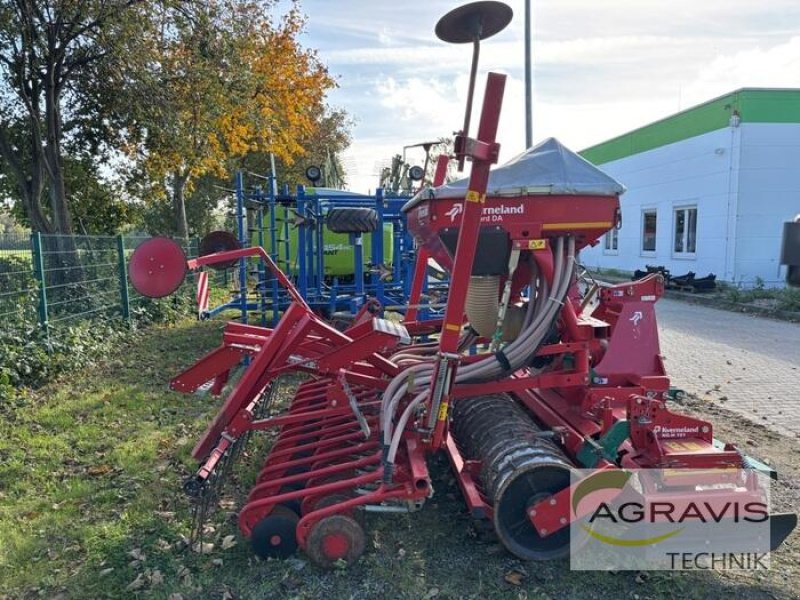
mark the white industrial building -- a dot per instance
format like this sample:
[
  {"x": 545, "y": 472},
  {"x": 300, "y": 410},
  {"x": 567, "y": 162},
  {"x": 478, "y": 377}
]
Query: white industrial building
[{"x": 709, "y": 189}]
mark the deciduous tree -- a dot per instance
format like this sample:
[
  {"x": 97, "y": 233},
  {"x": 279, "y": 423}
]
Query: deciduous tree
[
  {"x": 45, "y": 47},
  {"x": 323, "y": 147},
  {"x": 222, "y": 80}
]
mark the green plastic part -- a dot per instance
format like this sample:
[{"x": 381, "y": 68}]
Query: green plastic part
[
  {"x": 339, "y": 252},
  {"x": 606, "y": 447},
  {"x": 675, "y": 394},
  {"x": 749, "y": 462}
]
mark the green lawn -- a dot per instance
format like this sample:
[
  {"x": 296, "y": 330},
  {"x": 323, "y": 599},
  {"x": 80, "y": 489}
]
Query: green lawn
[{"x": 91, "y": 507}]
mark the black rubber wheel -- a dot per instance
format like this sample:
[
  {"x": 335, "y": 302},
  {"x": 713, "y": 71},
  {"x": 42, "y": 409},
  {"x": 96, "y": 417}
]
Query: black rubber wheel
[
  {"x": 274, "y": 536},
  {"x": 518, "y": 493},
  {"x": 352, "y": 220},
  {"x": 335, "y": 538}
]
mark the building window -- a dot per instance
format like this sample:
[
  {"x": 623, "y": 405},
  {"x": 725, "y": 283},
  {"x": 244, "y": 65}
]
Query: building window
[
  {"x": 649, "y": 230},
  {"x": 685, "y": 238},
  {"x": 611, "y": 243}
]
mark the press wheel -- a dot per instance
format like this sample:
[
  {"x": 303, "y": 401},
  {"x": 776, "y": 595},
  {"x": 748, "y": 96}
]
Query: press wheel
[
  {"x": 274, "y": 536},
  {"x": 516, "y": 495},
  {"x": 335, "y": 538}
]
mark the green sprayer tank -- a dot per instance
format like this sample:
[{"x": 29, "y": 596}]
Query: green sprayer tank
[{"x": 339, "y": 252}]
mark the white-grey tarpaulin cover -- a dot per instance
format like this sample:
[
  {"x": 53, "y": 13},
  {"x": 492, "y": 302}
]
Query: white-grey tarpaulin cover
[{"x": 547, "y": 168}]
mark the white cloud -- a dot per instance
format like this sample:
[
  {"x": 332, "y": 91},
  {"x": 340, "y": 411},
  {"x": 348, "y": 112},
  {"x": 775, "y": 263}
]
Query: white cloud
[
  {"x": 600, "y": 69},
  {"x": 418, "y": 99},
  {"x": 778, "y": 66}
]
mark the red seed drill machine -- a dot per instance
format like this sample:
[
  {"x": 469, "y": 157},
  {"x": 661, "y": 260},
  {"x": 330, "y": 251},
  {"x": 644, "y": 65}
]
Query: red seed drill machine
[{"x": 525, "y": 379}]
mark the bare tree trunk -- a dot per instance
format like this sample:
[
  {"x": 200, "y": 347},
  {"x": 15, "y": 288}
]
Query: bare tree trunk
[
  {"x": 179, "y": 204},
  {"x": 30, "y": 177},
  {"x": 62, "y": 216},
  {"x": 59, "y": 205}
]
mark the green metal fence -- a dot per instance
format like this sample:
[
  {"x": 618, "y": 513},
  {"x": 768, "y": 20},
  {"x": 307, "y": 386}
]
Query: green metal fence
[
  {"x": 18, "y": 287},
  {"x": 62, "y": 279}
]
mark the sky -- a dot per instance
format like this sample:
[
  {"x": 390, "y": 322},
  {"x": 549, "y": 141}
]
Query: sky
[{"x": 600, "y": 68}]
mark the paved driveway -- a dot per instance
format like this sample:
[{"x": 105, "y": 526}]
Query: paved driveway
[{"x": 750, "y": 365}]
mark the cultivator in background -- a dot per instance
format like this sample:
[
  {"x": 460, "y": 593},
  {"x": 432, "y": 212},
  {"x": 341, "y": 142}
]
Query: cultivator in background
[
  {"x": 339, "y": 249},
  {"x": 571, "y": 378}
]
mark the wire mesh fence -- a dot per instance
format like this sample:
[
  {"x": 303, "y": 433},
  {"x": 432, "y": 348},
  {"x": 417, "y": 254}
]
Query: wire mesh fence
[
  {"x": 18, "y": 287},
  {"x": 61, "y": 279}
]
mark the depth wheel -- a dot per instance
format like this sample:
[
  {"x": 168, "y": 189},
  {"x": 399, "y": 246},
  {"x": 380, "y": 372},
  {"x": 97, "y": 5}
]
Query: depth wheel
[
  {"x": 518, "y": 493},
  {"x": 274, "y": 536},
  {"x": 335, "y": 538}
]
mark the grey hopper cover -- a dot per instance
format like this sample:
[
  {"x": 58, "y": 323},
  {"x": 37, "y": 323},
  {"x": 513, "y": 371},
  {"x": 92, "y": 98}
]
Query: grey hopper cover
[{"x": 547, "y": 168}]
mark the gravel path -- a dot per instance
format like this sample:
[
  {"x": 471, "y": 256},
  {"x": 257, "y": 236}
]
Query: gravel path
[{"x": 751, "y": 365}]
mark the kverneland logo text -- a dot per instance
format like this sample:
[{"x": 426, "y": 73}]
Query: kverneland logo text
[
  {"x": 504, "y": 210},
  {"x": 488, "y": 213},
  {"x": 673, "y": 431}
]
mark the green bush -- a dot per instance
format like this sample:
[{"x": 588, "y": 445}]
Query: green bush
[
  {"x": 16, "y": 283},
  {"x": 15, "y": 272},
  {"x": 786, "y": 299},
  {"x": 156, "y": 311},
  {"x": 789, "y": 299},
  {"x": 31, "y": 357}
]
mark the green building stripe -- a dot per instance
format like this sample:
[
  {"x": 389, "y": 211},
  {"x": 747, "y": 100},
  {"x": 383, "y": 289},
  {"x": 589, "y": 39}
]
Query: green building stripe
[{"x": 753, "y": 106}]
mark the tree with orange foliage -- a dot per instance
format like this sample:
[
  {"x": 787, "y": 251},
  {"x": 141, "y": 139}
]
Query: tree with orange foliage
[{"x": 215, "y": 82}]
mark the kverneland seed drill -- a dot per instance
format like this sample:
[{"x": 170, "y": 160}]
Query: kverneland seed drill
[{"x": 525, "y": 379}]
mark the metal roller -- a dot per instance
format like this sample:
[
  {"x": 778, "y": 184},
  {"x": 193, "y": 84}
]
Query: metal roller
[{"x": 519, "y": 467}]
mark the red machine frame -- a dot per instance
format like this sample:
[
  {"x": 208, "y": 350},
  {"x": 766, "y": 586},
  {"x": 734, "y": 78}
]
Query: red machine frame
[{"x": 328, "y": 458}]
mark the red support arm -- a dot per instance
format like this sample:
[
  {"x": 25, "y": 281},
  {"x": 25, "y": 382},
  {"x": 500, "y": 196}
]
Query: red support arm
[
  {"x": 471, "y": 219},
  {"x": 486, "y": 152},
  {"x": 218, "y": 257}
]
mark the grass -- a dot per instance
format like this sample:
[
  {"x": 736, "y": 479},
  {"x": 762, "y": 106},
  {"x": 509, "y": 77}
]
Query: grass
[
  {"x": 83, "y": 465},
  {"x": 786, "y": 299},
  {"x": 19, "y": 253},
  {"x": 612, "y": 273},
  {"x": 90, "y": 507}
]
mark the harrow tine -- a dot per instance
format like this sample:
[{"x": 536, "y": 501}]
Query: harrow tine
[
  {"x": 209, "y": 492},
  {"x": 200, "y": 506}
]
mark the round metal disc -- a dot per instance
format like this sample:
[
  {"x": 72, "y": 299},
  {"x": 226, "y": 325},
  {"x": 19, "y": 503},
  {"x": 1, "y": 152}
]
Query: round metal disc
[
  {"x": 274, "y": 536},
  {"x": 477, "y": 19},
  {"x": 219, "y": 241},
  {"x": 157, "y": 267},
  {"x": 335, "y": 538}
]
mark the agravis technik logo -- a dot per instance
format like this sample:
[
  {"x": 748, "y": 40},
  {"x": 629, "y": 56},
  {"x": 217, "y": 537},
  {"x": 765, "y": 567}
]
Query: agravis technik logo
[{"x": 646, "y": 518}]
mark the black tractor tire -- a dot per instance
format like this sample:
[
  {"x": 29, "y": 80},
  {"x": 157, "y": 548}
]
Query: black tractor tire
[{"x": 352, "y": 220}]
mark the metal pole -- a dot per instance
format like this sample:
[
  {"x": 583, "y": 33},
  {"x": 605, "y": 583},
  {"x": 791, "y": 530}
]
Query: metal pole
[
  {"x": 274, "y": 182},
  {"x": 528, "y": 83},
  {"x": 320, "y": 246},
  {"x": 357, "y": 241},
  {"x": 242, "y": 226},
  {"x": 262, "y": 268},
  {"x": 377, "y": 248},
  {"x": 275, "y": 249},
  {"x": 476, "y": 51},
  {"x": 39, "y": 273},
  {"x": 302, "y": 246},
  {"x": 123, "y": 280}
]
